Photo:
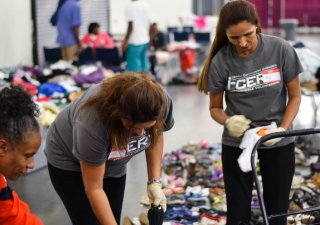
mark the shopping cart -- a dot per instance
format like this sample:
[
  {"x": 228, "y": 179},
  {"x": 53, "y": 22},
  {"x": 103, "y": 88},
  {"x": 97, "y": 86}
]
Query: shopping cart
[{"x": 265, "y": 217}]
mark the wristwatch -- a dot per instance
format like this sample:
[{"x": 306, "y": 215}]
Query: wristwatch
[{"x": 153, "y": 180}]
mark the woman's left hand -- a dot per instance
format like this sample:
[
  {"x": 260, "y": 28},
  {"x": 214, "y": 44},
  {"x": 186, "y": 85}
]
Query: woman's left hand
[{"x": 274, "y": 140}]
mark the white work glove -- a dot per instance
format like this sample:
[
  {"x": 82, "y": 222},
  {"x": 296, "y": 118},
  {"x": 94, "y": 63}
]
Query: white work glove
[
  {"x": 237, "y": 125},
  {"x": 156, "y": 195},
  {"x": 274, "y": 140}
]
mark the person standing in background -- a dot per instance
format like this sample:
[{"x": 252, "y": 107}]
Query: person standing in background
[
  {"x": 137, "y": 37},
  {"x": 158, "y": 44},
  {"x": 157, "y": 38},
  {"x": 68, "y": 24}
]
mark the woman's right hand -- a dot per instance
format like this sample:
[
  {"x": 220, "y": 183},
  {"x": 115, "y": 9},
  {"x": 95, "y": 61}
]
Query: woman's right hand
[{"x": 237, "y": 125}]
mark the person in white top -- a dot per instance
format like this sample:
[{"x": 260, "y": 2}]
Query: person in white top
[{"x": 137, "y": 37}]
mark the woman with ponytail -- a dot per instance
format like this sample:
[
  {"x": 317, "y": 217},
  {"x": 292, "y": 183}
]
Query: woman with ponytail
[{"x": 258, "y": 75}]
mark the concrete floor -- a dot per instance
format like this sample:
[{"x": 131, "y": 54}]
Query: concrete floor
[{"x": 193, "y": 123}]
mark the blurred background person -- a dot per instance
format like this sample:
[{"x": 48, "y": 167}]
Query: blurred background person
[
  {"x": 96, "y": 39},
  {"x": 157, "y": 44},
  {"x": 137, "y": 38},
  {"x": 157, "y": 38},
  {"x": 68, "y": 24}
]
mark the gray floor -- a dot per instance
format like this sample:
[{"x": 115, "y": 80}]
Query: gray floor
[{"x": 193, "y": 123}]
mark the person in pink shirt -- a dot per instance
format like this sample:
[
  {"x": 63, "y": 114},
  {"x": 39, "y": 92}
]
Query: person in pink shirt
[{"x": 96, "y": 39}]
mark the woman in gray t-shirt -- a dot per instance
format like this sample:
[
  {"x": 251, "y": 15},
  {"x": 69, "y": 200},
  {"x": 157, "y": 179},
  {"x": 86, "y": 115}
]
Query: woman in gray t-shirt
[
  {"x": 91, "y": 141},
  {"x": 258, "y": 74}
]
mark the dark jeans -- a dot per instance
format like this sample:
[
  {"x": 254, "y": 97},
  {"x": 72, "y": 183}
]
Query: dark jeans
[
  {"x": 70, "y": 188},
  {"x": 277, "y": 169}
]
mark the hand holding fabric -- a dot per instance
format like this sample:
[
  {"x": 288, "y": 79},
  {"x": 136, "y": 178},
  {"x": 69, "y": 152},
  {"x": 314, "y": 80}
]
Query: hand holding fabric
[
  {"x": 237, "y": 125},
  {"x": 156, "y": 195},
  {"x": 274, "y": 140}
]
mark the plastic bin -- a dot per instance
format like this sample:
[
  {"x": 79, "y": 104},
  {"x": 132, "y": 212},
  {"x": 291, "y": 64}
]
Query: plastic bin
[{"x": 288, "y": 28}]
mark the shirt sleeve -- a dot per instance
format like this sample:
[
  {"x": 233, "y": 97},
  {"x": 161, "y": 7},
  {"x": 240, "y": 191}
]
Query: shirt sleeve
[
  {"x": 215, "y": 82},
  {"x": 169, "y": 120},
  {"x": 291, "y": 66},
  {"x": 90, "y": 144},
  {"x": 76, "y": 16},
  {"x": 129, "y": 14}
]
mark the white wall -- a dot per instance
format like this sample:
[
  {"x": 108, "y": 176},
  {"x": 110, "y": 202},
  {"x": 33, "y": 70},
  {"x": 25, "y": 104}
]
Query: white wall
[
  {"x": 164, "y": 12},
  {"x": 15, "y": 32}
]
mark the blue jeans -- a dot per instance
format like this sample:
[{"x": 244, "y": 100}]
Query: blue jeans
[{"x": 137, "y": 58}]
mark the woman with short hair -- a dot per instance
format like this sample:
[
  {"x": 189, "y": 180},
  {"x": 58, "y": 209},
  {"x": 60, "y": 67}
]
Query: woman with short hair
[{"x": 20, "y": 140}]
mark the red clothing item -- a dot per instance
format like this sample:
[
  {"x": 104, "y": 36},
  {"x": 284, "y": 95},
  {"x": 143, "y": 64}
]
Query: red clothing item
[
  {"x": 102, "y": 40},
  {"x": 13, "y": 211}
]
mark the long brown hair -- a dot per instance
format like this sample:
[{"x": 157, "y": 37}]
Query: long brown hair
[
  {"x": 231, "y": 14},
  {"x": 135, "y": 97}
]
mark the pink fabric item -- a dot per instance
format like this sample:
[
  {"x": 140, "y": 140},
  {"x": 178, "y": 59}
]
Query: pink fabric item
[
  {"x": 103, "y": 40},
  {"x": 200, "y": 22}
]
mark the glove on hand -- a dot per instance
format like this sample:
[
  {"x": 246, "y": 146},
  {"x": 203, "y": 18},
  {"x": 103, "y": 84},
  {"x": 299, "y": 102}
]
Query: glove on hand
[
  {"x": 156, "y": 195},
  {"x": 237, "y": 125},
  {"x": 274, "y": 140}
]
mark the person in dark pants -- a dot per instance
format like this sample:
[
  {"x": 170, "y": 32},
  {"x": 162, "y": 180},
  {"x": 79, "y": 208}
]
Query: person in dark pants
[
  {"x": 91, "y": 141},
  {"x": 157, "y": 43},
  {"x": 258, "y": 74}
]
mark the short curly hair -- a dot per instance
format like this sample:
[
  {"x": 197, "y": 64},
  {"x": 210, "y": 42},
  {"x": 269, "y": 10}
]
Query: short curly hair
[{"x": 18, "y": 114}]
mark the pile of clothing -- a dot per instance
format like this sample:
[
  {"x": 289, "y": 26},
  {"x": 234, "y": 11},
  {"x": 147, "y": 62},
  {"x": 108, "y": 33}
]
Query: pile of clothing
[{"x": 57, "y": 85}]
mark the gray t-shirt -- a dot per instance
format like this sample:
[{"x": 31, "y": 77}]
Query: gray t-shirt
[
  {"x": 71, "y": 140},
  {"x": 254, "y": 85}
]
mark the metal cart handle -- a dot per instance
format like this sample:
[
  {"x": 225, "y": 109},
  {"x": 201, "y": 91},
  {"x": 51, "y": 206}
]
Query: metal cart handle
[{"x": 253, "y": 166}]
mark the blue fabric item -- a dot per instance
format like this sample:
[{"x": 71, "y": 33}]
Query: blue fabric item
[
  {"x": 137, "y": 58},
  {"x": 54, "y": 17},
  {"x": 69, "y": 16},
  {"x": 49, "y": 88},
  {"x": 299, "y": 45}
]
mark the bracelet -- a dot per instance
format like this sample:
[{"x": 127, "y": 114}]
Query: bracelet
[{"x": 153, "y": 180}]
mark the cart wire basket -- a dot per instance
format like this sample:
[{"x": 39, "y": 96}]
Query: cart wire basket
[{"x": 304, "y": 216}]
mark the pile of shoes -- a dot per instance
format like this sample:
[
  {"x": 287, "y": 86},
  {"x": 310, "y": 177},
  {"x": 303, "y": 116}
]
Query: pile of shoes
[
  {"x": 303, "y": 157},
  {"x": 193, "y": 184},
  {"x": 305, "y": 195}
]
